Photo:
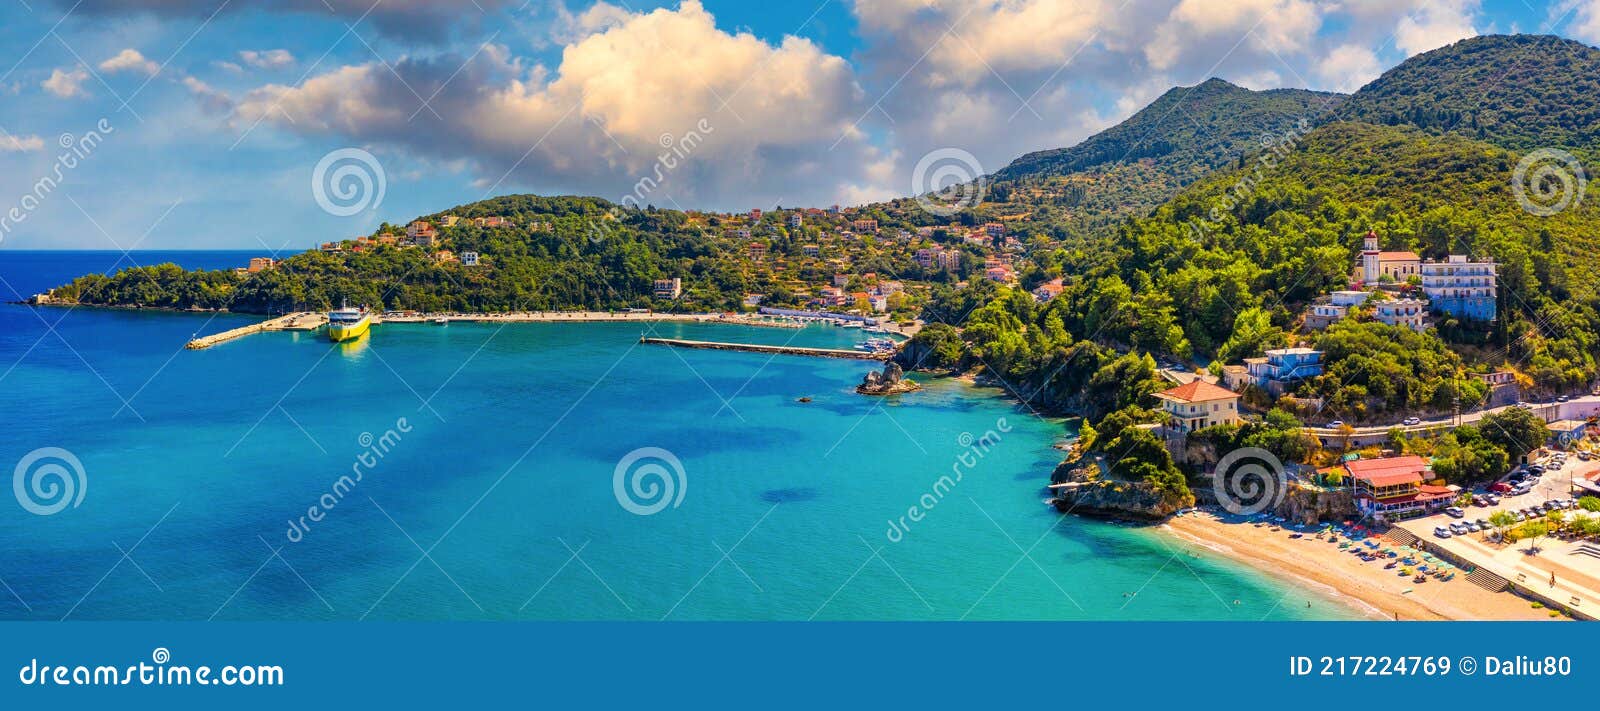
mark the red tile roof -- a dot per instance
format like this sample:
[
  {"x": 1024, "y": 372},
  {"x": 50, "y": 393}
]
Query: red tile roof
[
  {"x": 1397, "y": 256},
  {"x": 1197, "y": 391},
  {"x": 1389, "y": 471}
]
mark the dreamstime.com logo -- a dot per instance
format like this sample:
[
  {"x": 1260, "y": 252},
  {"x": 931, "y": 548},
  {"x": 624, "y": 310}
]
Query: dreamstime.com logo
[
  {"x": 1249, "y": 481},
  {"x": 1548, "y": 181},
  {"x": 348, "y": 181},
  {"x": 48, "y": 480},
  {"x": 648, "y": 480},
  {"x": 158, "y": 673},
  {"x": 947, "y": 181}
]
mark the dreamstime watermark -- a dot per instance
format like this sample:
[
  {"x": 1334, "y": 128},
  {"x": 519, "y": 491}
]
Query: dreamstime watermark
[
  {"x": 976, "y": 449},
  {"x": 156, "y": 672},
  {"x": 1249, "y": 481},
  {"x": 48, "y": 480},
  {"x": 374, "y": 449},
  {"x": 947, "y": 181},
  {"x": 648, "y": 480},
  {"x": 1275, "y": 145},
  {"x": 674, "y": 150},
  {"x": 348, "y": 181},
  {"x": 74, "y": 150},
  {"x": 1548, "y": 181}
]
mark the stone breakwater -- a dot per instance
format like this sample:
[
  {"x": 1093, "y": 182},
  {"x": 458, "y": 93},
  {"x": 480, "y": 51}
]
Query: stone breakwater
[
  {"x": 752, "y": 348},
  {"x": 292, "y": 322}
]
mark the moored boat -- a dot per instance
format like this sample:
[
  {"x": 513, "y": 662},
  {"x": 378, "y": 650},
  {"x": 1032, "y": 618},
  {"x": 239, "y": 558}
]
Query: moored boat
[{"x": 347, "y": 323}]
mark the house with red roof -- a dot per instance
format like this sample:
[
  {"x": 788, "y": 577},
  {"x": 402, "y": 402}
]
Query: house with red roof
[
  {"x": 1392, "y": 488},
  {"x": 1198, "y": 405}
]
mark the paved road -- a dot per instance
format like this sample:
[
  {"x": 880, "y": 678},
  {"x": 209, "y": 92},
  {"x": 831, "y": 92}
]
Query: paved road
[{"x": 1549, "y": 410}]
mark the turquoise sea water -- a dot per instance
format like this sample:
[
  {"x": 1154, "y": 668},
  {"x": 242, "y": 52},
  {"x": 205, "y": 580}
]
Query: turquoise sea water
[{"x": 495, "y": 498}]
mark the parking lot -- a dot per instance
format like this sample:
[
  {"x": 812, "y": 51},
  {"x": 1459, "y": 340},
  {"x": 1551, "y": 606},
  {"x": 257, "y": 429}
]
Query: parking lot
[{"x": 1567, "y": 571}]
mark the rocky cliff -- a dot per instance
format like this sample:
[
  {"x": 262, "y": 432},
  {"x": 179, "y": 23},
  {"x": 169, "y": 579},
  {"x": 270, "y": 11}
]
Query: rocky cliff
[{"x": 1080, "y": 488}]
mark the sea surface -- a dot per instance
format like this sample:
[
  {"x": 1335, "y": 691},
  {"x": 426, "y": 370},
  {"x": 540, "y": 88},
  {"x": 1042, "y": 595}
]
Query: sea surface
[{"x": 489, "y": 461}]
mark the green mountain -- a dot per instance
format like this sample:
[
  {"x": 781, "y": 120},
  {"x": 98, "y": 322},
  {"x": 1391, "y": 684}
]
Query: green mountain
[
  {"x": 1515, "y": 91},
  {"x": 1188, "y": 131},
  {"x": 1180, "y": 137}
]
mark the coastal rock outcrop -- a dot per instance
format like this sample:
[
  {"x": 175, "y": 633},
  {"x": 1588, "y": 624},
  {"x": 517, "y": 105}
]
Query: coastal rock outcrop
[
  {"x": 1078, "y": 487},
  {"x": 891, "y": 381}
]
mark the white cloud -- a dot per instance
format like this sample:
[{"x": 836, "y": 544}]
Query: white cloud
[
  {"x": 267, "y": 58},
  {"x": 1208, "y": 31},
  {"x": 210, "y": 99},
  {"x": 16, "y": 144},
  {"x": 775, "y": 122},
  {"x": 1348, "y": 67},
  {"x": 1436, "y": 24},
  {"x": 571, "y": 27},
  {"x": 130, "y": 60},
  {"x": 66, "y": 84},
  {"x": 1585, "y": 23}
]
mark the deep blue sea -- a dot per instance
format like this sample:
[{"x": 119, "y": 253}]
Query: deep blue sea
[{"x": 493, "y": 495}]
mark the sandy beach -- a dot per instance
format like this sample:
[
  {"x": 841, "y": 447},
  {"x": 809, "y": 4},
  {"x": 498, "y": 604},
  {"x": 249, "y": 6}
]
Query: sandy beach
[{"x": 1367, "y": 586}]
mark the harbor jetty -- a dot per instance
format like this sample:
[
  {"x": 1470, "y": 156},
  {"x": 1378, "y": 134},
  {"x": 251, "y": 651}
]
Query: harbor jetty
[
  {"x": 590, "y": 317},
  {"x": 753, "y": 348},
  {"x": 303, "y": 321}
]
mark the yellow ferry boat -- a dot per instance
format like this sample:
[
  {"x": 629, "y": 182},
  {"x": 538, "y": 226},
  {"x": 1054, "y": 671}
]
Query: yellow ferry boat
[{"x": 346, "y": 324}]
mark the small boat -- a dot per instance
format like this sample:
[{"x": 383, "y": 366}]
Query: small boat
[
  {"x": 852, "y": 324},
  {"x": 876, "y": 345},
  {"x": 442, "y": 320}
]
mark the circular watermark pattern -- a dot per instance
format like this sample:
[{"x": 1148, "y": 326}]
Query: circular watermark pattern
[
  {"x": 947, "y": 181},
  {"x": 1548, "y": 181},
  {"x": 348, "y": 181},
  {"x": 48, "y": 480},
  {"x": 1249, "y": 480},
  {"x": 648, "y": 480},
  {"x": 161, "y": 655}
]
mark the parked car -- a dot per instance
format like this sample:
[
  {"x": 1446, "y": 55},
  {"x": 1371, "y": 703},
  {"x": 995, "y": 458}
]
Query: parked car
[
  {"x": 1492, "y": 498},
  {"x": 1474, "y": 527},
  {"x": 1441, "y": 532},
  {"x": 1520, "y": 516},
  {"x": 1500, "y": 487},
  {"x": 1456, "y": 512}
]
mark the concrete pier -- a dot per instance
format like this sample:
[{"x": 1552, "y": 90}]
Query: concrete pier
[
  {"x": 304, "y": 321},
  {"x": 782, "y": 350}
]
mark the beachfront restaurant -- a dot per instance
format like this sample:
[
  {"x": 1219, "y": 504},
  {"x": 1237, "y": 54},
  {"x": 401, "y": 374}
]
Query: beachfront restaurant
[{"x": 1392, "y": 488}]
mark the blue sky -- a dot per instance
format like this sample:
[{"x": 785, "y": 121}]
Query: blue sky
[{"x": 215, "y": 121}]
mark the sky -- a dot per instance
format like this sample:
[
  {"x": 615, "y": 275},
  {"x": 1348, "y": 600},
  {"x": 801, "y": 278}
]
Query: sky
[{"x": 273, "y": 125}]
